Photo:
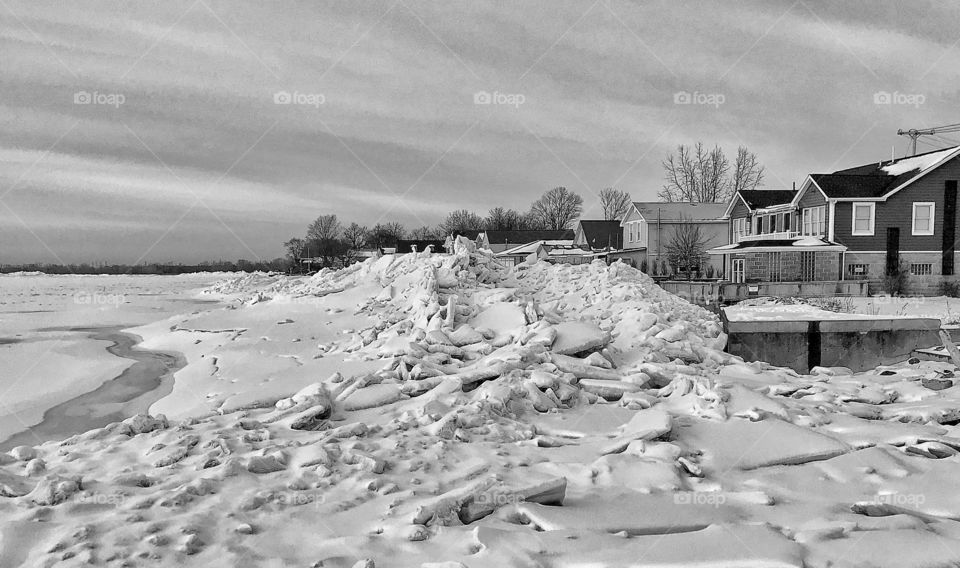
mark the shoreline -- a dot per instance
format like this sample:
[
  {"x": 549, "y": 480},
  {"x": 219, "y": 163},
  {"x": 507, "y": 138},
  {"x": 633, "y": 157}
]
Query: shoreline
[{"x": 147, "y": 380}]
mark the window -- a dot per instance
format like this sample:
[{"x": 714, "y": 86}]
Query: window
[
  {"x": 808, "y": 266},
  {"x": 741, "y": 228},
  {"x": 863, "y": 219},
  {"x": 923, "y": 269},
  {"x": 923, "y": 218},
  {"x": 630, "y": 232},
  {"x": 814, "y": 220},
  {"x": 773, "y": 266},
  {"x": 858, "y": 269}
]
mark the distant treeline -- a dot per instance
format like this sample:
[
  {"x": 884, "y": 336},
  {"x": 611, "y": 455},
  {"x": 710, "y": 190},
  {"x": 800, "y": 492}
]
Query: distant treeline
[{"x": 277, "y": 264}]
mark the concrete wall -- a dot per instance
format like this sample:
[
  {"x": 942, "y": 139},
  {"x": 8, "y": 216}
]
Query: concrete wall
[
  {"x": 707, "y": 293},
  {"x": 857, "y": 344}
]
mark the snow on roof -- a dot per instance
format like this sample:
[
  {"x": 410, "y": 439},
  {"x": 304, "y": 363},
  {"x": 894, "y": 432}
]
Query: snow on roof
[{"x": 917, "y": 163}]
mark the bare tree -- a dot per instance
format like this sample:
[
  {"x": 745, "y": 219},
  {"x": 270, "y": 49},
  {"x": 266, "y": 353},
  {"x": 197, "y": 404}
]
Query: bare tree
[
  {"x": 424, "y": 233},
  {"x": 295, "y": 249},
  {"x": 614, "y": 203},
  {"x": 324, "y": 227},
  {"x": 356, "y": 236},
  {"x": 705, "y": 176},
  {"x": 500, "y": 219},
  {"x": 386, "y": 234},
  {"x": 747, "y": 171},
  {"x": 686, "y": 249},
  {"x": 460, "y": 221},
  {"x": 558, "y": 208}
]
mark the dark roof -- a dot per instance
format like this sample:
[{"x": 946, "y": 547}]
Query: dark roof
[
  {"x": 761, "y": 198},
  {"x": 680, "y": 211},
  {"x": 602, "y": 234},
  {"x": 404, "y": 245},
  {"x": 524, "y": 237},
  {"x": 872, "y": 180}
]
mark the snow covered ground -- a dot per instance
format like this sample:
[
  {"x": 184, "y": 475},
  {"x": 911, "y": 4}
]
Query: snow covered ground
[
  {"x": 45, "y": 362},
  {"x": 441, "y": 410},
  {"x": 941, "y": 307}
]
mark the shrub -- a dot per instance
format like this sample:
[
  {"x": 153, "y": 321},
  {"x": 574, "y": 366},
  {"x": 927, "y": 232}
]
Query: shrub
[
  {"x": 949, "y": 288},
  {"x": 643, "y": 266},
  {"x": 709, "y": 272},
  {"x": 895, "y": 281}
]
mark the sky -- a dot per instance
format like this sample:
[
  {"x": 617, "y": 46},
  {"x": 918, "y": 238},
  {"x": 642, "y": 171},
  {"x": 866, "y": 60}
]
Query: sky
[{"x": 201, "y": 130}]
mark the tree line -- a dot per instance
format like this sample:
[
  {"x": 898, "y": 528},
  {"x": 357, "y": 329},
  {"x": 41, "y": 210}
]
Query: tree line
[
  {"x": 331, "y": 243},
  {"x": 692, "y": 173}
]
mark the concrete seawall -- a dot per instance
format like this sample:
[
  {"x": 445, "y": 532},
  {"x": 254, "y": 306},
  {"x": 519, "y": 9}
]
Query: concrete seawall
[{"x": 859, "y": 344}]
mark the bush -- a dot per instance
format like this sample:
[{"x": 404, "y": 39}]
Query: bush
[
  {"x": 895, "y": 281},
  {"x": 949, "y": 288},
  {"x": 709, "y": 272},
  {"x": 643, "y": 266}
]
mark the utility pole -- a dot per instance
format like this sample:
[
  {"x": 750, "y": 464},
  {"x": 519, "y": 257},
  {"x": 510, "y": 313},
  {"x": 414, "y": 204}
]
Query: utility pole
[{"x": 915, "y": 133}]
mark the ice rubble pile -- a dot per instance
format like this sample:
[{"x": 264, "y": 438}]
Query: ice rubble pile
[
  {"x": 473, "y": 352},
  {"x": 552, "y": 331}
]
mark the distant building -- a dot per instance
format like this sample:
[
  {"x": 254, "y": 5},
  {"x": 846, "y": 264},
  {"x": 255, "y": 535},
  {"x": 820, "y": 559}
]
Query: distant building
[
  {"x": 498, "y": 241},
  {"x": 598, "y": 235},
  {"x": 854, "y": 223},
  {"x": 649, "y": 226}
]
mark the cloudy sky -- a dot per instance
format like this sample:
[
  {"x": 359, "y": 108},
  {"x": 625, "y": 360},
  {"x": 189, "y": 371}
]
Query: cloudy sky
[{"x": 152, "y": 130}]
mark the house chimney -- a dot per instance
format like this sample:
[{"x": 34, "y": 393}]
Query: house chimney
[{"x": 794, "y": 186}]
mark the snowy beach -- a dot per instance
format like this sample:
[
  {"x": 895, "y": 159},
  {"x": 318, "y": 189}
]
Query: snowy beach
[
  {"x": 55, "y": 331},
  {"x": 442, "y": 410}
]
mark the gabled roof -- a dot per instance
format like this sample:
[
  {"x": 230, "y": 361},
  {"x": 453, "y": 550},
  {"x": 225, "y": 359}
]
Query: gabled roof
[
  {"x": 602, "y": 234},
  {"x": 762, "y": 198},
  {"x": 755, "y": 199},
  {"x": 523, "y": 237},
  {"x": 677, "y": 211},
  {"x": 882, "y": 179},
  {"x": 535, "y": 246}
]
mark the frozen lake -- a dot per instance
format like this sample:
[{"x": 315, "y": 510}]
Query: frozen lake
[{"x": 60, "y": 339}]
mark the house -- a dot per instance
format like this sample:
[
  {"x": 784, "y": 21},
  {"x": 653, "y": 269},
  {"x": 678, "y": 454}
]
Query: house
[
  {"x": 648, "y": 227},
  {"x": 854, "y": 223},
  {"x": 541, "y": 250},
  {"x": 771, "y": 240},
  {"x": 499, "y": 241},
  {"x": 595, "y": 235}
]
